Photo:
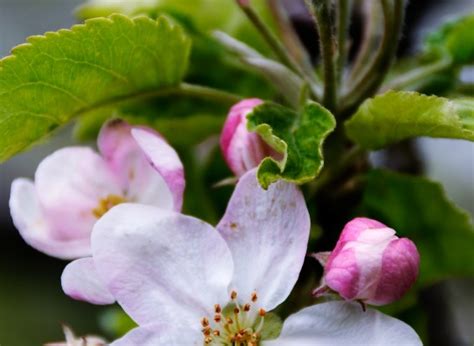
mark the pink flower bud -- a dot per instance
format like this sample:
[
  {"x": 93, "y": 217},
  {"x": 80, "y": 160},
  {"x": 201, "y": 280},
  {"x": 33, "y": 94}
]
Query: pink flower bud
[
  {"x": 370, "y": 264},
  {"x": 242, "y": 150}
]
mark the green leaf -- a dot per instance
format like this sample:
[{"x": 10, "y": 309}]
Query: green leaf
[
  {"x": 397, "y": 115},
  {"x": 454, "y": 39},
  {"x": 418, "y": 208},
  {"x": 298, "y": 137},
  {"x": 53, "y": 78},
  {"x": 116, "y": 322},
  {"x": 203, "y": 15}
]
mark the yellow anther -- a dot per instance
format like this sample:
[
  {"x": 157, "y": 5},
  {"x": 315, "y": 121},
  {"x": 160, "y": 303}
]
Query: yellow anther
[{"x": 107, "y": 203}]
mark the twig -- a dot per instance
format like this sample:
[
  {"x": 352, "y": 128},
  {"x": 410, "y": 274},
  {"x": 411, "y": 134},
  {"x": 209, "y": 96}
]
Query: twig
[{"x": 343, "y": 20}]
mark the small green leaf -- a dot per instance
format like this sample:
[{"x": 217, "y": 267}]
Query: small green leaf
[
  {"x": 454, "y": 39},
  {"x": 116, "y": 322},
  {"x": 52, "y": 78},
  {"x": 418, "y": 208},
  {"x": 298, "y": 137},
  {"x": 397, "y": 115}
]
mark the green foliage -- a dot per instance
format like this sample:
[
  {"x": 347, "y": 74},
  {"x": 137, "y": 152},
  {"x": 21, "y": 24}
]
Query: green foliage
[
  {"x": 53, "y": 78},
  {"x": 203, "y": 15},
  {"x": 418, "y": 208},
  {"x": 298, "y": 137},
  {"x": 116, "y": 322},
  {"x": 397, "y": 115},
  {"x": 454, "y": 39}
]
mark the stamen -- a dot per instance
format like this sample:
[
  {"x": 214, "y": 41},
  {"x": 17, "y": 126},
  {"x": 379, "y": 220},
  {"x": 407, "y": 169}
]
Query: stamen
[
  {"x": 217, "y": 309},
  {"x": 217, "y": 318},
  {"x": 233, "y": 295},
  {"x": 247, "y": 307},
  {"x": 205, "y": 322},
  {"x": 261, "y": 312},
  {"x": 254, "y": 297}
]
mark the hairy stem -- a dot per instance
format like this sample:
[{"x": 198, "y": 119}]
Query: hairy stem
[
  {"x": 371, "y": 80},
  {"x": 321, "y": 11},
  {"x": 333, "y": 173}
]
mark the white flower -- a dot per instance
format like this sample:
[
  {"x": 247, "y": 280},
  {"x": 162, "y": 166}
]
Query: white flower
[{"x": 187, "y": 283}]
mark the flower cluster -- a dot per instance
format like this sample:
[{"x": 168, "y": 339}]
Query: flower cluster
[{"x": 185, "y": 282}]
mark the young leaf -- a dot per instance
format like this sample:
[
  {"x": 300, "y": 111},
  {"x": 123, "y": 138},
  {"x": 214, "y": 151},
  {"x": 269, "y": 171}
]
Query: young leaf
[
  {"x": 454, "y": 39},
  {"x": 52, "y": 78},
  {"x": 298, "y": 137},
  {"x": 418, "y": 208},
  {"x": 398, "y": 115}
]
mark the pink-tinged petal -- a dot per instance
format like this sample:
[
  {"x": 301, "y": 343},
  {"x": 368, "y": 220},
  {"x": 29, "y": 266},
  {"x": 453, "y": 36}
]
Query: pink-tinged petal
[
  {"x": 160, "y": 335},
  {"x": 30, "y": 221},
  {"x": 139, "y": 177},
  {"x": 69, "y": 184},
  {"x": 400, "y": 264},
  {"x": 242, "y": 150},
  {"x": 81, "y": 281},
  {"x": 342, "y": 323},
  {"x": 267, "y": 233},
  {"x": 343, "y": 274},
  {"x": 161, "y": 266},
  {"x": 164, "y": 160}
]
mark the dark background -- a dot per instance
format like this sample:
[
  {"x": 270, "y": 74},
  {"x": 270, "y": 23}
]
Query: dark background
[{"x": 32, "y": 305}]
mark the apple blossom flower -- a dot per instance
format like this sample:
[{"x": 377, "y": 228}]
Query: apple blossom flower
[
  {"x": 75, "y": 186},
  {"x": 72, "y": 340},
  {"x": 242, "y": 150},
  {"x": 187, "y": 283},
  {"x": 369, "y": 264}
]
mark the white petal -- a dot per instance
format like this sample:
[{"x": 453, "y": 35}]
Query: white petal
[
  {"x": 164, "y": 160},
  {"x": 81, "y": 281},
  {"x": 34, "y": 228},
  {"x": 267, "y": 233},
  {"x": 343, "y": 323},
  {"x": 154, "y": 335},
  {"x": 70, "y": 183},
  {"x": 161, "y": 265}
]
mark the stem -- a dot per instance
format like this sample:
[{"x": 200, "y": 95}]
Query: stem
[
  {"x": 343, "y": 19},
  {"x": 370, "y": 82},
  {"x": 333, "y": 173},
  {"x": 417, "y": 75},
  {"x": 371, "y": 38},
  {"x": 276, "y": 45},
  {"x": 320, "y": 9},
  {"x": 290, "y": 38},
  {"x": 186, "y": 89}
]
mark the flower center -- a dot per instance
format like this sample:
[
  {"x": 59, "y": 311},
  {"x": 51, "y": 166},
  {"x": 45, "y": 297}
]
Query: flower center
[
  {"x": 107, "y": 203},
  {"x": 235, "y": 325}
]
